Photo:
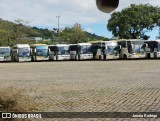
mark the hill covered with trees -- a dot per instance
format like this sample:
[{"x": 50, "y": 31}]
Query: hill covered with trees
[{"x": 19, "y": 32}]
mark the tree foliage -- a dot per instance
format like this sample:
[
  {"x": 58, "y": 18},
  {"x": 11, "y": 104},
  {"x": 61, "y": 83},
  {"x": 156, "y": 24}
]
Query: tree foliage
[
  {"x": 133, "y": 22},
  {"x": 72, "y": 35},
  {"x": 15, "y": 32}
]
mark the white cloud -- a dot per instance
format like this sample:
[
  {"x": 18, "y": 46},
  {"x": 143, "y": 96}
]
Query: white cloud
[
  {"x": 89, "y": 30},
  {"x": 44, "y": 12}
]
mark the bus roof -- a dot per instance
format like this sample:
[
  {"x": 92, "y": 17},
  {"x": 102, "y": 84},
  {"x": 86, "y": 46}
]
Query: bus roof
[
  {"x": 158, "y": 40},
  {"x": 21, "y": 45},
  {"x": 59, "y": 45},
  {"x": 131, "y": 40},
  {"x": 5, "y": 47},
  {"x": 84, "y": 44},
  {"x": 34, "y": 45}
]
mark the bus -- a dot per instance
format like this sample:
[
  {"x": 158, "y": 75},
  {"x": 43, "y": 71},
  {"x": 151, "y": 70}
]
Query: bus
[
  {"x": 59, "y": 52},
  {"x": 105, "y": 50},
  {"x": 131, "y": 49},
  {"x": 152, "y": 49},
  {"x": 81, "y": 51},
  {"x": 21, "y": 53},
  {"x": 5, "y": 54},
  {"x": 39, "y": 52}
]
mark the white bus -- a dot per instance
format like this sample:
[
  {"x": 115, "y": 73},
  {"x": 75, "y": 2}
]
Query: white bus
[
  {"x": 5, "y": 54},
  {"x": 21, "y": 53},
  {"x": 39, "y": 52},
  {"x": 105, "y": 50},
  {"x": 59, "y": 52},
  {"x": 81, "y": 51},
  {"x": 152, "y": 49},
  {"x": 131, "y": 49}
]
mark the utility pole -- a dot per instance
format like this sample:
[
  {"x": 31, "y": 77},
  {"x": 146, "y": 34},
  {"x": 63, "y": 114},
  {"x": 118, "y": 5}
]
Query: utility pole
[{"x": 58, "y": 17}]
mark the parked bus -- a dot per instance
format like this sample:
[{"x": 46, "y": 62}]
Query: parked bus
[
  {"x": 152, "y": 49},
  {"x": 21, "y": 53},
  {"x": 59, "y": 52},
  {"x": 81, "y": 51},
  {"x": 131, "y": 49},
  {"x": 5, "y": 54},
  {"x": 39, "y": 52},
  {"x": 105, "y": 50}
]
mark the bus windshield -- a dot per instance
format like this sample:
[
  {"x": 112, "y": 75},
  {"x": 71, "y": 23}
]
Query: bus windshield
[
  {"x": 110, "y": 49},
  {"x": 154, "y": 46},
  {"x": 42, "y": 51},
  {"x": 24, "y": 52},
  {"x": 86, "y": 49},
  {"x": 63, "y": 50},
  {"x": 137, "y": 49},
  {"x": 4, "y": 50}
]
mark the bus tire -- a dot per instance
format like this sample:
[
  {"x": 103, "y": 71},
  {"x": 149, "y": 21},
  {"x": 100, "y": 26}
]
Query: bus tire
[
  {"x": 148, "y": 56},
  {"x": 79, "y": 58},
  {"x": 125, "y": 57},
  {"x": 56, "y": 58},
  {"x": 104, "y": 57}
]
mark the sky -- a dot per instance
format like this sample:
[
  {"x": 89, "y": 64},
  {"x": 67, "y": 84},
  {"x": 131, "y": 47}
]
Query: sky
[{"x": 42, "y": 13}]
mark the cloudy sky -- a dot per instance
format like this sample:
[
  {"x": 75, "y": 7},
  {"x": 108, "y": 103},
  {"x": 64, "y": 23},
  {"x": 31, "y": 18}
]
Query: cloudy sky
[{"x": 42, "y": 13}]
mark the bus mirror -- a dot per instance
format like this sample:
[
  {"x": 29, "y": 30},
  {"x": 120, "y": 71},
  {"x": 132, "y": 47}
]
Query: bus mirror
[
  {"x": 107, "y": 6},
  {"x": 146, "y": 45},
  {"x": 49, "y": 50},
  {"x": 35, "y": 51},
  {"x": 120, "y": 47}
]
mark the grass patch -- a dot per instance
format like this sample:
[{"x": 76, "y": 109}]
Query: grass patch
[{"x": 15, "y": 100}]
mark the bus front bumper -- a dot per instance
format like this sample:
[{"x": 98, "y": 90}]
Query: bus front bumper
[
  {"x": 3, "y": 59},
  {"x": 64, "y": 57},
  {"x": 136, "y": 56},
  {"x": 86, "y": 57},
  {"x": 23, "y": 59},
  {"x": 111, "y": 57}
]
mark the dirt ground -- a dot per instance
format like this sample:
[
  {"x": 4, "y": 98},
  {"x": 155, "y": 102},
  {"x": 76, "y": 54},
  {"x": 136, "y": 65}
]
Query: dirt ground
[{"x": 88, "y": 86}]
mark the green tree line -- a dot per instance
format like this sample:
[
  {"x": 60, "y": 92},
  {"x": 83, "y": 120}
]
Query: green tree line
[
  {"x": 133, "y": 22},
  {"x": 12, "y": 33}
]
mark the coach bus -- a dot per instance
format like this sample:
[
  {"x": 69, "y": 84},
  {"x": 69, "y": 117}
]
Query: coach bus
[
  {"x": 105, "y": 50},
  {"x": 59, "y": 52},
  {"x": 21, "y": 53},
  {"x": 39, "y": 52},
  {"x": 131, "y": 49},
  {"x": 5, "y": 54},
  {"x": 152, "y": 49},
  {"x": 81, "y": 51}
]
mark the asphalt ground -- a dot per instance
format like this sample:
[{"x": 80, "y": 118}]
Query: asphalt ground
[{"x": 88, "y": 86}]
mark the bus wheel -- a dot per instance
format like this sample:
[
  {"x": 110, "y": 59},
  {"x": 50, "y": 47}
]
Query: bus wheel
[
  {"x": 148, "y": 56},
  {"x": 104, "y": 57},
  {"x": 125, "y": 57},
  {"x": 79, "y": 58},
  {"x": 56, "y": 57}
]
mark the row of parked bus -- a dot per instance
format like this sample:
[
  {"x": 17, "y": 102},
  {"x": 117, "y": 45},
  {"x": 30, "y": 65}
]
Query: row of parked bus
[{"x": 103, "y": 50}]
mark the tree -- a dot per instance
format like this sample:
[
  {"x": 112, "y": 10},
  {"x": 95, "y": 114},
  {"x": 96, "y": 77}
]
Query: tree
[
  {"x": 135, "y": 21},
  {"x": 72, "y": 35}
]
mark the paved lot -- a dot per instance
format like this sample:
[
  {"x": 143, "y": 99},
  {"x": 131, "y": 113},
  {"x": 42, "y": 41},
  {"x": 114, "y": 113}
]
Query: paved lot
[{"x": 88, "y": 86}]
